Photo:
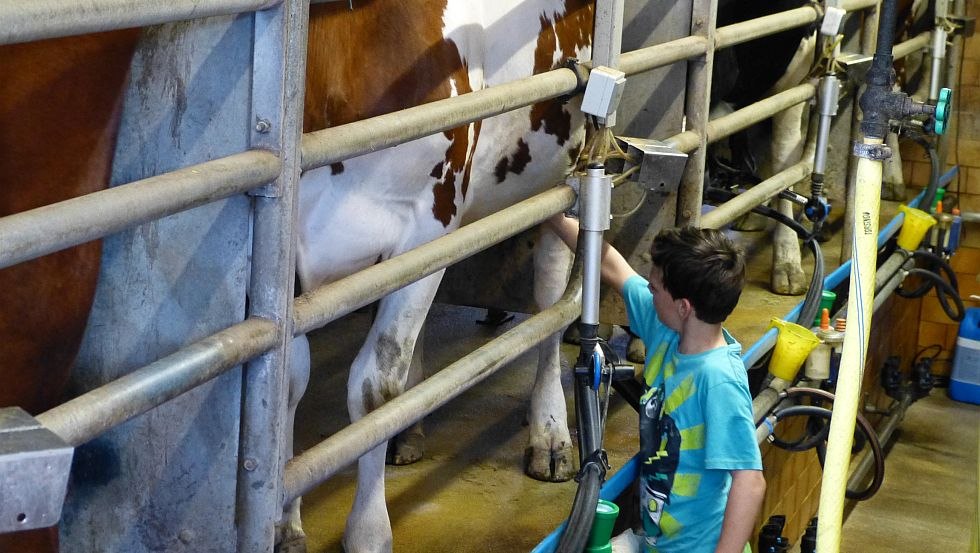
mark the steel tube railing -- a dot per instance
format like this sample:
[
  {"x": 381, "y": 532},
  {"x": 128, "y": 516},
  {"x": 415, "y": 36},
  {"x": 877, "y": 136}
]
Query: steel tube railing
[
  {"x": 40, "y": 19},
  {"x": 89, "y": 415},
  {"x": 331, "y": 301},
  {"x": 727, "y": 125},
  {"x": 758, "y": 194},
  {"x": 912, "y": 45},
  {"x": 40, "y": 231},
  {"x": 317, "y": 464}
]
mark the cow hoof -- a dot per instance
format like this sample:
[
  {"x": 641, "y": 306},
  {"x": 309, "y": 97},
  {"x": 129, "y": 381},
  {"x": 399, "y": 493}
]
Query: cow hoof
[
  {"x": 294, "y": 545},
  {"x": 549, "y": 466},
  {"x": 636, "y": 352},
  {"x": 788, "y": 280},
  {"x": 406, "y": 448}
]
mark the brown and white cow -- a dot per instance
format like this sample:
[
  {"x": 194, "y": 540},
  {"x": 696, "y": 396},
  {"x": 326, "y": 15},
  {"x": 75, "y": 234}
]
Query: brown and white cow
[
  {"x": 386, "y": 55},
  {"x": 59, "y": 111}
]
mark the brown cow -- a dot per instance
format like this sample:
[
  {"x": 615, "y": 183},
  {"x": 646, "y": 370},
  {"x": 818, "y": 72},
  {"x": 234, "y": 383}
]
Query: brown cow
[{"x": 59, "y": 111}]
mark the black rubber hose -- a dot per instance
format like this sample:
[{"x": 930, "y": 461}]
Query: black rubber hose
[
  {"x": 932, "y": 260},
  {"x": 576, "y": 533},
  {"x": 930, "y": 194},
  {"x": 943, "y": 290},
  {"x": 862, "y": 423},
  {"x": 811, "y": 302}
]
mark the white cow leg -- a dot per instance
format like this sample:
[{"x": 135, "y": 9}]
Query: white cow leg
[
  {"x": 787, "y": 271},
  {"x": 379, "y": 374},
  {"x": 549, "y": 453},
  {"x": 289, "y": 534},
  {"x": 409, "y": 445}
]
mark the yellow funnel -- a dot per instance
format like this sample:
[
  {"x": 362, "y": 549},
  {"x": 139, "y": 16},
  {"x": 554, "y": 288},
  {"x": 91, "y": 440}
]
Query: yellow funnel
[
  {"x": 917, "y": 223},
  {"x": 793, "y": 345}
]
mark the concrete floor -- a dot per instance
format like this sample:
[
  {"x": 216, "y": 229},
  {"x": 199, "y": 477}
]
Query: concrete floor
[{"x": 469, "y": 493}]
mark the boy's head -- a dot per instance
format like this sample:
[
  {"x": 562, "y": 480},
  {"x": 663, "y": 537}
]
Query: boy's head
[{"x": 702, "y": 266}]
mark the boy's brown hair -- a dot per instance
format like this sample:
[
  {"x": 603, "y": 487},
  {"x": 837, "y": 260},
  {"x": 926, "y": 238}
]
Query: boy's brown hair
[{"x": 702, "y": 266}]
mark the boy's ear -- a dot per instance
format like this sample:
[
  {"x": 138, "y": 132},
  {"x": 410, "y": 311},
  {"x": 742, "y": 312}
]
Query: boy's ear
[{"x": 685, "y": 307}]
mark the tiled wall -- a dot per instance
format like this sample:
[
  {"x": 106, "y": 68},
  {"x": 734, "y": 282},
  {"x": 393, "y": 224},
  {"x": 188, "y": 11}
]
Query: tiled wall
[{"x": 964, "y": 136}]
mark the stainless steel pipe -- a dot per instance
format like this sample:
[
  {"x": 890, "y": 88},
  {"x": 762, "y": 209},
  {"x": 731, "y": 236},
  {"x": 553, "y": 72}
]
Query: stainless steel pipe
[
  {"x": 89, "y": 415},
  {"x": 40, "y": 19},
  {"x": 332, "y": 301},
  {"x": 758, "y": 194},
  {"x": 317, "y": 464},
  {"x": 40, "y": 231}
]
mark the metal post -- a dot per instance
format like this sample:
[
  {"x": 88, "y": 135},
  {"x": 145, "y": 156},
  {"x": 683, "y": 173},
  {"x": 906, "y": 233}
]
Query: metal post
[
  {"x": 696, "y": 108},
  {"x": 278, "y": 62}
]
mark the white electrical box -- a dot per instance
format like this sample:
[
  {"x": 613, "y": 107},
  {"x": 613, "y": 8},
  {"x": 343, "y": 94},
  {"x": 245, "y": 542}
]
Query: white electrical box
[
  {"x": 603, "y": 91},
  {"x": 832, "y": 20}
]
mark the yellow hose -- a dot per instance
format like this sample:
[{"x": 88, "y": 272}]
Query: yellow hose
[{"x": 864, "y": 257}]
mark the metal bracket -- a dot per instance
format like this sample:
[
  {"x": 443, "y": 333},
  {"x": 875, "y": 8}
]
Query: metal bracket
[
  {"x": 34, "y": 468},
  {"x": 874, "y": 152},
  {"x": 661, "y": 167},
  {"x": 965, "y": 26},
  {"x": 855, "y": 66}
]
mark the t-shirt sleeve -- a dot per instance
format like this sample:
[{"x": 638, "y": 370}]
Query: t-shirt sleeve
[
  {"x": 639, "y": 308},
  {"x": 730, "y": 439}
]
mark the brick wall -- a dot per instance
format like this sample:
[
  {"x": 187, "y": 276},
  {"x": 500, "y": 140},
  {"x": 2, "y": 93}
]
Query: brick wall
[{"x": 964, "y": 136}]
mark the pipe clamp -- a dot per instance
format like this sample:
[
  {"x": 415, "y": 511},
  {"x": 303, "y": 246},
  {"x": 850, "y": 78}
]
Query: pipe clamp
[{"x": 874, "y": 152}]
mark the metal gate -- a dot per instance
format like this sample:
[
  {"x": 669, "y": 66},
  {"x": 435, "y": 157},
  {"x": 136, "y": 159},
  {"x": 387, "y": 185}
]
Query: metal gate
[{"x": 265, "y": 165}]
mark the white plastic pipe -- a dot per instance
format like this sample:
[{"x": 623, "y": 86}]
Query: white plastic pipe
[{"x": 864, "y": 258}]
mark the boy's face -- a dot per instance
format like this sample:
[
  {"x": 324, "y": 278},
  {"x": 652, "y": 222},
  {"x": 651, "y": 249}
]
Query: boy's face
[{"x": 663, "y": 302}]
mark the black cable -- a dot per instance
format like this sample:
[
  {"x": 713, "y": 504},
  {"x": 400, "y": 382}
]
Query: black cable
[
  {"x": 811, "y": 302},
  {"x": 576, "y": 533}
]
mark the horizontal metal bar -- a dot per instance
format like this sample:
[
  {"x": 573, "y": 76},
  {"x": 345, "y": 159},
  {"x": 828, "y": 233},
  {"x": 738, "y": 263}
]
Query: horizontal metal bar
[
  {"x": 89, "y": 415},
  {"x": 912, "y": 45},
  {"x": 50, "y": 228},
  {"x": 384, "y": 131},
  {"x": 730, "y": 35},
  {"x": 762, "y": 192},
  {"x": 24, "y": 21},
  {"x": 317, "y": 464},
  {"x": 727, "y": 125},
  {"x": 336, "y": 299},
  {"x": 659, "y": 55}
]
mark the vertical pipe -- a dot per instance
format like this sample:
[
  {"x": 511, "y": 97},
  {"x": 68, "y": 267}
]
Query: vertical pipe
[
  {"x": 938, "y": 63},
  {"x": 854, "y": 353},
  {"x": 869, "y": 37},
  {"x": 696, "y": 106},
  {"x": 607, "y": 43},
  {"x": 279, "y": 59},
  {"x": 954, "y": 60}
]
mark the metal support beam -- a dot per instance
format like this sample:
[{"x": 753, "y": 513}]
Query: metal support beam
[
  {"x": 278, "y": 84},
  {"x": 758, "y": 194},
  {"x": 696, "y": 108}
]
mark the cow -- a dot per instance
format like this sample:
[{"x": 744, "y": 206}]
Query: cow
[
  {"x": 355, "y": 213},
  {"x": 59, "y": 112}
]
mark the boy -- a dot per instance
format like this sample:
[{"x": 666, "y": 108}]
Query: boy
[{"x": 701, "y": 483}]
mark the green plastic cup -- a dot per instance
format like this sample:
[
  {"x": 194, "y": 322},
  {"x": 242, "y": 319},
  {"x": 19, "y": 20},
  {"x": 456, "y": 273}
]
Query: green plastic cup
[
  {"x": 827, "y": 300},
  {"x": 602, "y": 526}
]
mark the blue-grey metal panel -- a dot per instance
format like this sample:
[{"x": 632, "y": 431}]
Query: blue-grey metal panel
[{"x": 166, "y": 480}]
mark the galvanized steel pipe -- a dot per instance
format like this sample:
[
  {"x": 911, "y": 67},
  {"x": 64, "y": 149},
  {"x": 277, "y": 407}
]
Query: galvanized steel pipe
[
  {"x": 89, "y": 415},
  {"x": 919, "y": 42},
  {"x": 39, "y": 19},
  {"x": 762, "y": 192},
  {"x": 317, "y": 464},
  {"x": 47, "y": 229},
  {"x": 336, "y": 299},
  {"x": 384, "y": 131}
]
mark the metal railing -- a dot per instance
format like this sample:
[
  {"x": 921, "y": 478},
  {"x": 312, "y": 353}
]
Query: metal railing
[{"x": 274, "y": 317}]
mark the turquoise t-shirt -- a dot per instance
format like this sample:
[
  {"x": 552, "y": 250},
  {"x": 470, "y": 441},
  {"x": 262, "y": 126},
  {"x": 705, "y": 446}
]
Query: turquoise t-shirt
[{"x": 696, "y": 425}]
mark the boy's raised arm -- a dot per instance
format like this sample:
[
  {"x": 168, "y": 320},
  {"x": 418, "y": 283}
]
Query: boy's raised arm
[{"x": 615, "y": 270}]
